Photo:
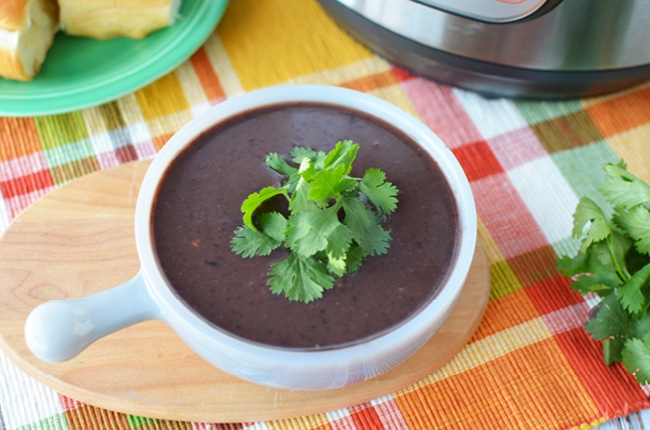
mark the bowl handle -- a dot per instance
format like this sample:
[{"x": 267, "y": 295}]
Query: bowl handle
[{"x": 58, "y": 330}]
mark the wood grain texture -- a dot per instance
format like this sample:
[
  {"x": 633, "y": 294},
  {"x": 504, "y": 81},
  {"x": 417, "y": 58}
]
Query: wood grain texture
[{"x": 79, "y": 240}]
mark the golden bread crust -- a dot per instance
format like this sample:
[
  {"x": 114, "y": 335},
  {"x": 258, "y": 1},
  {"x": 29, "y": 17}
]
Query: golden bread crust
[
  {"x": 27, "y": 27},
  {"x": 13, "y": 14},
  {"x": 26, "y": 33},
  {"x": 106, "y": 19},
  {"x": 11, "y": 67}
]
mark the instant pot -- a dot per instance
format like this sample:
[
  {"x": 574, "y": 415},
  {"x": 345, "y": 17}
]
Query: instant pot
[{"x": 512, "y": 48}]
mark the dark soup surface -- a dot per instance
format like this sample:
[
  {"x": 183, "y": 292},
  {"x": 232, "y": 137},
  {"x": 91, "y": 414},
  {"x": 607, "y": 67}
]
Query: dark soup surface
[{"x": 197, "y": 210}]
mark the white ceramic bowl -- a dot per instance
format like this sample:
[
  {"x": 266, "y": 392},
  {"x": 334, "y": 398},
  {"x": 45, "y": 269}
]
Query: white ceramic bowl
[{"x": 58, "y": 330}]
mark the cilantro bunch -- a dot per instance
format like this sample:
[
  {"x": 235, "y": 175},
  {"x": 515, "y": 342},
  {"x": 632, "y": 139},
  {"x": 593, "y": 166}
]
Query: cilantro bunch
[
  {"x": 614, "y": 262},
  {"x": 333, "y": 221}
]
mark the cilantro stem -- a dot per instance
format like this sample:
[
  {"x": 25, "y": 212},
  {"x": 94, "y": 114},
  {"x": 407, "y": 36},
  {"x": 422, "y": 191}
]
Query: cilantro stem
[{"x": 620, "y": 271}]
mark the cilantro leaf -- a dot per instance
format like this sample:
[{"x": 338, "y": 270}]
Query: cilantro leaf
[
  {"x": 591, "y": 223},
  {"x": 339, "y": 241},
  {"x": 277, "y": 163},
  {"x": 355, "y": 256},
  {"x": 365, "y": 227},
  {"x": 636, "y": 222},
  {"x": 300, "y": 278},
  {"x": 615, "y": 326},
  {"x": 299, "y": 152},
  {"x": 306, "y": 169},
  {"x": 336, "y": 265},
  {"x": 611, "y": 320},
  {"x": 379, "y": 192},
  {"x": 622, "y": 188},
  {"x": 636, "y": 358},
  {"x": 590, "y": 271},
  {"x": 572, "y": 266},
  {"x": 611, "y": 253},
  {"x": 300, "y": 200},
  {"x": 331, "y": 226},
  {"x": 330, "y": 183},
  {"x": 307, "y": 232},
  {"x": 338, "y": 244},
  {"x": 635, "y": 294},
  {"x": 343, "y": 154},
  {"x": 613, "y": 350},
  {"x": 249, "y": 243},
  {"x": 255, "y": 200},
  {"x": 274, "y": 224},
  {"x": 614, "y": 261},
  {"x": 588, "y": 214}
]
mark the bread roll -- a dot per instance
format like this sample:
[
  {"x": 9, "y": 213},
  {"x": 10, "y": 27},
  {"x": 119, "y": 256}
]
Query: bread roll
[
  {"x": 105, "y": 19},
  {"x": 27, "y": 29}
]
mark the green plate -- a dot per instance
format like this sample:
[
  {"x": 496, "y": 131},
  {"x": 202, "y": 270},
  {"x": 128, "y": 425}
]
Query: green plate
[{"x": 80, "y": 72}]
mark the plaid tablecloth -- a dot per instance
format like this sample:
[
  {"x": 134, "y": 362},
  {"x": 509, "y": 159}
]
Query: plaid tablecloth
[{"x": 530, "y": 364}]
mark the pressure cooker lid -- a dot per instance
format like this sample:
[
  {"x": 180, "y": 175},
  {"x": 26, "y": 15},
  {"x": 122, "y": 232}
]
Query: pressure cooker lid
[
  {"x": 499, "y": 11},
  {"x": 511, "y": 48}
]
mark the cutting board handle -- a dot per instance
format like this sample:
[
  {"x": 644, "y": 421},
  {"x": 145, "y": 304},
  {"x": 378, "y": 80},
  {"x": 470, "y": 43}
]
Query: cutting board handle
[{"x": 58, "y": 330}]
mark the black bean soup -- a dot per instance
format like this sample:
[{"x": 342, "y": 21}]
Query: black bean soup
[{"x": 197, "y": 209}]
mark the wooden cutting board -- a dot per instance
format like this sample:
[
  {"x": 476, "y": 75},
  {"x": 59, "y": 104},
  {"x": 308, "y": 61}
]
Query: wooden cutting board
[{"x": 79, "y": 240}]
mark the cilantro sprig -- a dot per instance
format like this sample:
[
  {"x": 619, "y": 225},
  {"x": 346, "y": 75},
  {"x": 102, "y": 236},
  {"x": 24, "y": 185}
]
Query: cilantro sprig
[
  {"x": 333, "y": 221},
  {"x": 614, "y": 262}
]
